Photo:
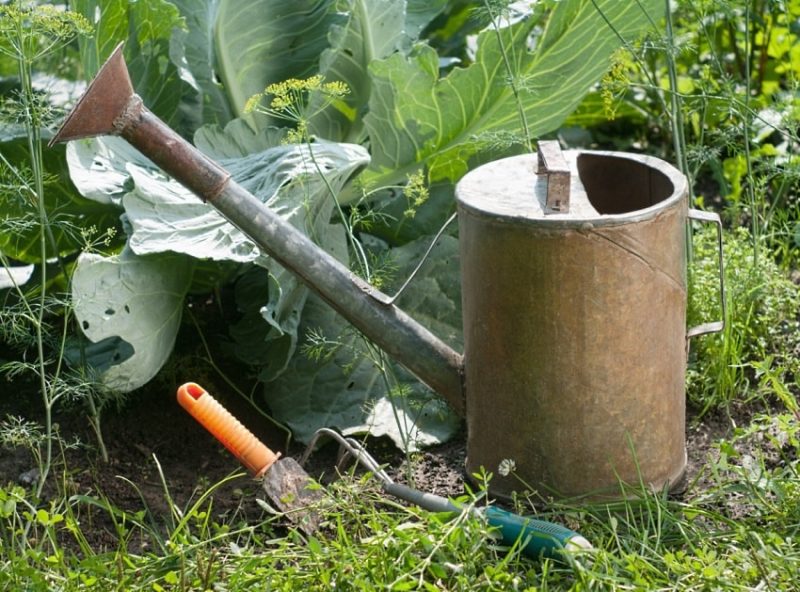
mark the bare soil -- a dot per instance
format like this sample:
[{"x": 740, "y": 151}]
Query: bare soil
[{"x": 157, "y": 452}]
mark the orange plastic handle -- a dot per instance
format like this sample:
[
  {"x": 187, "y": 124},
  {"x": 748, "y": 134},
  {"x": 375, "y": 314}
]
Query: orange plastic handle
[{"x": 250, "y": 451}]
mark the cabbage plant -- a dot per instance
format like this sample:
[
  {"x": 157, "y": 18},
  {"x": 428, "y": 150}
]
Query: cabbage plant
[{"x": 512, "y": 74}]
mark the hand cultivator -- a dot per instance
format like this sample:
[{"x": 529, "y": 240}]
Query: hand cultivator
[{"x": 536, "y": 538}]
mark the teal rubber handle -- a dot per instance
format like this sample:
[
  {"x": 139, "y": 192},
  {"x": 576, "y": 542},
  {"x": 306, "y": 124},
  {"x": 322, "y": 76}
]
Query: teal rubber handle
[{"x": 537, "y": 538}]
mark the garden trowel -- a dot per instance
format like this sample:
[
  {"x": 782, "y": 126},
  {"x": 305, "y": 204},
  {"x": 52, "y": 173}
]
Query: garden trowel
[{"x": 284, "y": 481}]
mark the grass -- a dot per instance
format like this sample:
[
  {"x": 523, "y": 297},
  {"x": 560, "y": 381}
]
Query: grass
[
  {"x": 761, "y": 336},
  {"x": 734, "y": 529}
]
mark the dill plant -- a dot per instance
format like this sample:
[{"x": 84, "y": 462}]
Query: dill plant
[
  {"x": 29, "y": 320},
  {"x": 717, "y": 93},
  {"x": 296, "y": 102}
]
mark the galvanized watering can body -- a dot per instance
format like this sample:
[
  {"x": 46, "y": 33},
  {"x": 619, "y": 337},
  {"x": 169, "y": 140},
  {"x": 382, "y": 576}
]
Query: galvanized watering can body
[{"x": 574, "y": 322}]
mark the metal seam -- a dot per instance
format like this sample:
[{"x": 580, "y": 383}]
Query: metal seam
[{"x": 130, "y": 116}]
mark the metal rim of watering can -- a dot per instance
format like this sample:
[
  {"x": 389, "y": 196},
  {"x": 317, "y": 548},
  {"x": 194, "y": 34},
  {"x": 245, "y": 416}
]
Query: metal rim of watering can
[
  {"x": 679, "y": 183},
  {"x": 551, "y": 166}
]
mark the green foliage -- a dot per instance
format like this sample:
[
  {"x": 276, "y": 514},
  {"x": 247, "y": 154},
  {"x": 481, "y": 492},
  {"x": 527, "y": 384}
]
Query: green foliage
[
  {"x": 413, "y": 117},
  {"x": 170, "y": 232},
  {"x": 39, "y": 227},
  {"x": 721, "y": 101},
  {"x": 761, "y": 322},
  {"x": 344, "y": 384},
  {"x": 354, "y": 71},
  {"x": 147, "y": 28},
  {"x": 736, "y": 532},
  {"x": 721, "y": 90},
  {"x": 32, "y": 31},
  {"x": 29, "y": 176}
]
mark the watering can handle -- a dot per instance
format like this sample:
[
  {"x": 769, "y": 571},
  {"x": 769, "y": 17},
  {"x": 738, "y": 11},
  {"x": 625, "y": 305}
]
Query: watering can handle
[
  {"x": 552, "y": 164},
  {"x": 717, "y": 326}
]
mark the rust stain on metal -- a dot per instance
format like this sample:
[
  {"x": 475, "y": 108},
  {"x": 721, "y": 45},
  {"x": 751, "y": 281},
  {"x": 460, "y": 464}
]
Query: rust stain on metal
[
  {"x": 586, "y": 310},
  {"x": 291, "y": 489}
]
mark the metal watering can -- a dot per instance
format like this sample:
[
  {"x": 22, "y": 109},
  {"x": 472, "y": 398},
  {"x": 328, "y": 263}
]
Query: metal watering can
[{"x": 574, "y": 300}]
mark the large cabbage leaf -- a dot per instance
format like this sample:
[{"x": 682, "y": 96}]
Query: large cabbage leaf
[
  {"x": 374, "y": 29},
  {"x": 346, "y": 389},
  {"x": 419, "y": 14},
  {"x": 304, "y": 37},
  {"x": 264, "y": 41},
  {"x": 13, "y": 276},
  {"x": 194, "y": 52},
  {"x": 98, "y": 168},
  {"x": 417, "y": 118},
  {"x": 138, "y": 300},
  {"x": 163, "y": 218}
]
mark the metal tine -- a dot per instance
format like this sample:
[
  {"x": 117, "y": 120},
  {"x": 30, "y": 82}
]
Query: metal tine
[{"x": 351, "y": 447}]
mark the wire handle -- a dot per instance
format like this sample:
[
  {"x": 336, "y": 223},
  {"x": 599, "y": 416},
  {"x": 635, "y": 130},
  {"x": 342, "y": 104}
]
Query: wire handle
[{"x": 716, "y": 326}]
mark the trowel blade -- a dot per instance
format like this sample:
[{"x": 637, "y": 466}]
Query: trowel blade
[{"x": 293, "y": 491}]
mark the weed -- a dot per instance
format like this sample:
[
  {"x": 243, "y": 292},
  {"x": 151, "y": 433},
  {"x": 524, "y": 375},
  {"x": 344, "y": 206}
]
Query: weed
[
  {"x": 761, "y": 324},
  {"x": 290, "y": 101}
]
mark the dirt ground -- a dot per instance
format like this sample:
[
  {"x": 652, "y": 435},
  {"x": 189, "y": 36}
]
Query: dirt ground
[{"x": 152, "y": 436}]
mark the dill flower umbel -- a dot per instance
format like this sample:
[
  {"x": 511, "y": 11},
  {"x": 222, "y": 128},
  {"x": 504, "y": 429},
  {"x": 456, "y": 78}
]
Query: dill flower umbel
[{"x": 297, "y": 101}]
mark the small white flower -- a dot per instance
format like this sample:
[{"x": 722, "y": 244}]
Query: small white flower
[{"x": 506, "y": 467}]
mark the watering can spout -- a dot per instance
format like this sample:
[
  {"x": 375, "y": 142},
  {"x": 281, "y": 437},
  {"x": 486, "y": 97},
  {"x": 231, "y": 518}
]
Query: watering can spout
[
  {"x": 101, "y": 110},
  {"x": 110, "y": 107}
]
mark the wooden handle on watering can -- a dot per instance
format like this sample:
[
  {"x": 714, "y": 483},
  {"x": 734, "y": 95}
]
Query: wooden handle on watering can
[{"x": 248, "y": 449}]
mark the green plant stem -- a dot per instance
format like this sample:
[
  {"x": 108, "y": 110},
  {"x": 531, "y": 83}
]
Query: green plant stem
[
  {"x": 377, "y": 355},
  {"x": 511, "y": 76},
  {"x": 751, "y": 192},
  {"x": 210, "y": 360},
  {"x": 33, "y": 130},
  {"x": 678, "y": 137},
  {"x": 359, "y": 250}
]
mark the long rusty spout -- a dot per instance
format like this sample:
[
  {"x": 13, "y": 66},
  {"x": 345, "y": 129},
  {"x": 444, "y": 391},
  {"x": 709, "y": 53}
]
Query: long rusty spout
[
  {"x": 99, "y": 111},
  {"x": 110, "y": 107}
]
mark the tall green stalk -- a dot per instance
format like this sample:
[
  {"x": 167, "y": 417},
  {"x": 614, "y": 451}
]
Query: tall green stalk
[
  {"x": 289, "y": 102},
  {"x": 30, "y": 32},
  {"x": 32, "y": 128},
  {"x": 751, "y": 192},
  {"x": 513, "y": 75},
  {"x": 676, "y": 110}
]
